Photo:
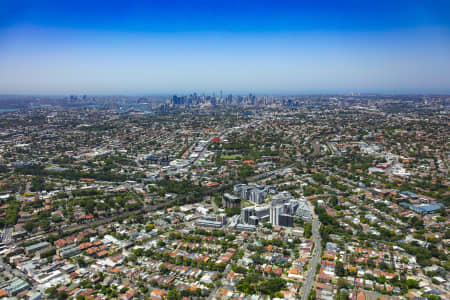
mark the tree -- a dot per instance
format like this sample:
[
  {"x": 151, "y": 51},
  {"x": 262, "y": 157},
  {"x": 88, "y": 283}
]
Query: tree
[
  {"x": 173, "y": 295},
  {"x": 342, "y": 295},
  {"x": 431, "y": 296},
  {"x": 267, "y": 225},
  {"x": 44, "y": 224},
  {"x": 245, "y": 171},
  {"x": 321, "y": 178},
  {"x": 29, "y": 226},
  {"x": 164, "y": 270},
  {"x": 341, "y": 283},
  {"x": 272, "y": 285},
  {"x": 80, "y": 261},
  {"x": 149, "y": 227},
  {"x": 404, "y": 260},
  {"x": 339, "y": 269},
  {"x": 312, "y": 294},
  {"x": 412, "y": 284},
  {"x": 233, "y": 211},
  {"x": 37, "y": 184},
  {"x": 307, "y": 230},
  {"x": 245, "y": 287},
  {"x": 238, "y": 269},
  {"x": 12, "y": 213},
  {"x": 51, "y": 292},
  {"x": 62, "y": 295}
]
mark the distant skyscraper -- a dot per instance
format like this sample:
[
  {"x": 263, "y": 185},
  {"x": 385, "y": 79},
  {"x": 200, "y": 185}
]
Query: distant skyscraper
[{"x": 229, "y": 99}]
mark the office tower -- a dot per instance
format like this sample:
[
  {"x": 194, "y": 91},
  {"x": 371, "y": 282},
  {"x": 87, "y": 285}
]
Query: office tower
[
  {"x": 281, "y": 198},
  {"x": 246, "y": 213},
  {"x": 230, "y": 201},
  {"x": 286, "y": 220},
  {"x": 253, "y": 220},
  {"x": 275, "y": 211},
  {"x": 256, "y": 195}
]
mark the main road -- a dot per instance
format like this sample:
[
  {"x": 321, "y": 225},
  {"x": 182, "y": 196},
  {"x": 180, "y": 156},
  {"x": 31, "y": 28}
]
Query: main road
[
  {"x": 221, "y": 135},
  {"x": 309, "y": 282}
]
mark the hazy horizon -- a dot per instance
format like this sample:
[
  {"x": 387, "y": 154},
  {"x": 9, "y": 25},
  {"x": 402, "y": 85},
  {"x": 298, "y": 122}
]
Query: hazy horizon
[{"x": 261, "y": 47}]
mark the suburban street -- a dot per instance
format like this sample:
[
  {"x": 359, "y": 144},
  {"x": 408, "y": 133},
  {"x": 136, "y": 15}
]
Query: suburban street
[{"x": 309, "y": 282}]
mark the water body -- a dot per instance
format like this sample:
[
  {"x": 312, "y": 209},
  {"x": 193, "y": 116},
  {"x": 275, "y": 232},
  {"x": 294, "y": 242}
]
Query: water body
[{"x": 5, "y": 110}]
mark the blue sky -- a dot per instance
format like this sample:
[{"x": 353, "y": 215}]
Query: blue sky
[{"x": 127, "y": 47}]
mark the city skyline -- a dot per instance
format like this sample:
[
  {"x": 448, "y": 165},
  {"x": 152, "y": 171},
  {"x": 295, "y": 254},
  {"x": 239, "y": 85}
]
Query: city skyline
[{"x": 258, "y": 47}]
